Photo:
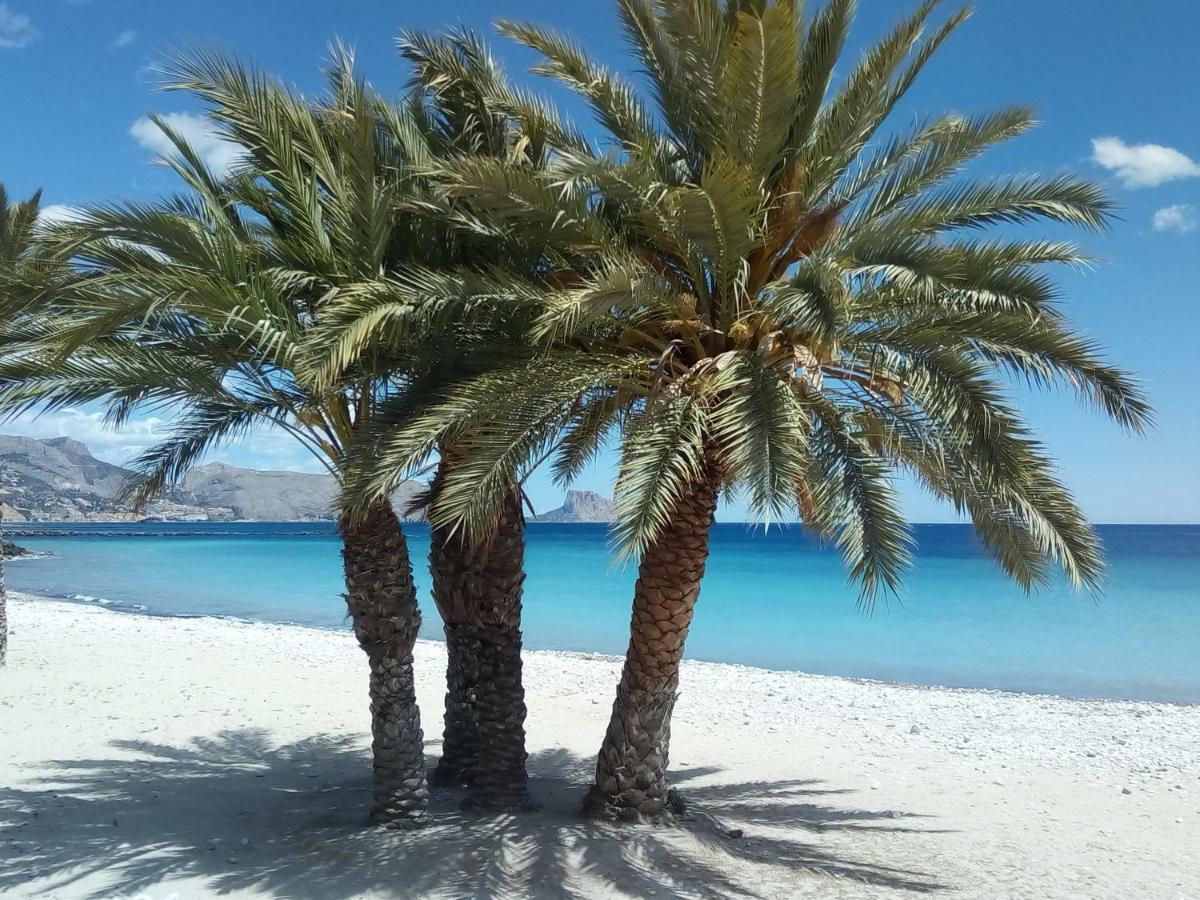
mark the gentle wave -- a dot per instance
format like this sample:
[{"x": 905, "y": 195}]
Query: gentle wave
[
  {"x": 140, "y": 610},
  {"x": 28, "y": 533},
  {"x": 772, "y": 600},
  {"x": 104, "y": 601}
]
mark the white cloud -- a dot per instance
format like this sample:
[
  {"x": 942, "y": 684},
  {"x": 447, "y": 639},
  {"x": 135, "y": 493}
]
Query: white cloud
[
  {"x": 125, "y": 39},
  {"x": 57, "y": 212},
  {"x": 1142, "y": 165},
  {"x": 266, "y": 448},
  {"x": 117, "y": 446},
  {"x": 16, "y": 31},
  {"x": 219, "y": 154},
  {"x": 1180, "y": 218},
  {"x": 270, "y": 449}
]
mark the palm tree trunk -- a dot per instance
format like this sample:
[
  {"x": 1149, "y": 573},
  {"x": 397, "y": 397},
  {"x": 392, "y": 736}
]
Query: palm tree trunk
[
  {"x": 631, "y": 772},
  {"x": 477, "y": 588},
  {"x": 3, "y": 600},
  {"x": 460, "y": 740},
  {"x": 383, "y": 606}
]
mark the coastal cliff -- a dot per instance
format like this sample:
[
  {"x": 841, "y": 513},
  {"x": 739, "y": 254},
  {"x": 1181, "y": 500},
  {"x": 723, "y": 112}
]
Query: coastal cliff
[
  {"x": 58, "y": 480},
  {"x": 581, "y": 506}
]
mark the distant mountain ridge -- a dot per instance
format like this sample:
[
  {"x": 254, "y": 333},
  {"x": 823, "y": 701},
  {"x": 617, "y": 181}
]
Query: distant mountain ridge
[
  {"x": 59, "y": 480},
  {"x": 581, "y": 506}
]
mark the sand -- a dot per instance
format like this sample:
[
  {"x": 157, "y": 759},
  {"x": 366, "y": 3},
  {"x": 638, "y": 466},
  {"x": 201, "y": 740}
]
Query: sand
[{"x": 152, "y": 757}]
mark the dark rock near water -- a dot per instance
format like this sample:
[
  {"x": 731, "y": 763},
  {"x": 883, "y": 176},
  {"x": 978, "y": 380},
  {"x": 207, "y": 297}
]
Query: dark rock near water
[{"x": 9, "y": 550}]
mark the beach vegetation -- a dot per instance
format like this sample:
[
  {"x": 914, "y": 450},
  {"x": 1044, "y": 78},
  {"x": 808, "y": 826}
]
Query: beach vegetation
[
  {"x": 22, "y": 263},
  {"x": 743, "y": 277},
  {"x": 204, "y": 307},
  {"x": 753, "y": 287}
]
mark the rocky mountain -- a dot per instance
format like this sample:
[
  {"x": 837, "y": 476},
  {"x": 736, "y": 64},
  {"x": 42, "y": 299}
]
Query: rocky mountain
[
  {"x": 259, "y": 496},
  {"x": 60, "y": 480},
  {"x": 581, "y": 506}
]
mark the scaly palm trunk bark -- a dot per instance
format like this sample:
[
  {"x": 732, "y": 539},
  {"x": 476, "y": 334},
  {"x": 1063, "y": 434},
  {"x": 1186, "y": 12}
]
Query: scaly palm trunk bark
[
  {"x": 477, "y": 588},
  {"x": 383, "y": 606},
  {"x": 460, "y": 739},
  {"x": 631, "y": 772},
  {"x": 3, "y": 601}
]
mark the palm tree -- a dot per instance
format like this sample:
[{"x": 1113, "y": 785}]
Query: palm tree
[
  {"x": 467, "y": 109},
  {"x": 207, "y": 306},
  {"x": 462, "y": 106},
  {"x": 3, "y": 599},
  {"x": 18, "y": 256},
  {"x": 756, "y": 292},
  {"x": 476, "y": 584}
]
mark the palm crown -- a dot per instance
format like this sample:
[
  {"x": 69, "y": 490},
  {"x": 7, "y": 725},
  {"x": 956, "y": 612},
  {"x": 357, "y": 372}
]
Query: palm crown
[
  {"x": 208, "y": 304},
  {"x": 18, "y": 227},
  {"x": 26, "y": 266},
  {"x": 301, "y": 291},
  {"x": 750, "y": 281},
  {"x": 18, "y": 232}
]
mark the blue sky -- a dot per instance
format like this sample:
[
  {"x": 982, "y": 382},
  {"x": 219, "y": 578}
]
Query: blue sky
[{"x": 1114, "y": 83}]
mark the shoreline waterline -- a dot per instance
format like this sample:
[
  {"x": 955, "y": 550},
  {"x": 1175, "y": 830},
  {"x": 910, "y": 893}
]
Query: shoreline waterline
[
  {"x": 588, "y": 655},
  {"x": 777, "y": 601},
  {"x": 830, "y": 781}
]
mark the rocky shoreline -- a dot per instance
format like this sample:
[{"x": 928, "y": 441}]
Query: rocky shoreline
[{"x": 9, "y": 550}]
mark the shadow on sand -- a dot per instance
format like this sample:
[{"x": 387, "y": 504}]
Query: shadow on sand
[{"x": 238, "y": 812}]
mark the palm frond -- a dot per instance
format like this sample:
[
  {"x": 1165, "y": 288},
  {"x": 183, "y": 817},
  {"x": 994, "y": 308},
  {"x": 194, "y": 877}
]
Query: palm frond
[
  {"x": 614, "y": 102},
  {"x": 762, "y": 432},
  {"x": 854, "y": 486},
  {"x": 662, "y": 457}
]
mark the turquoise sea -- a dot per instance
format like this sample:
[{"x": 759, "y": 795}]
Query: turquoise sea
[{"x": 775, "y": 599}]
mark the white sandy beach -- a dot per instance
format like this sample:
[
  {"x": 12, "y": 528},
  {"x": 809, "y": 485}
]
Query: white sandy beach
[{"x": 151, "y": 757}]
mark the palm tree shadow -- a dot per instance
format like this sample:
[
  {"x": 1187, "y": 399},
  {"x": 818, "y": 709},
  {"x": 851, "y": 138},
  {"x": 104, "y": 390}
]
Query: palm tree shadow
[{"x": 237, "y": 812}]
